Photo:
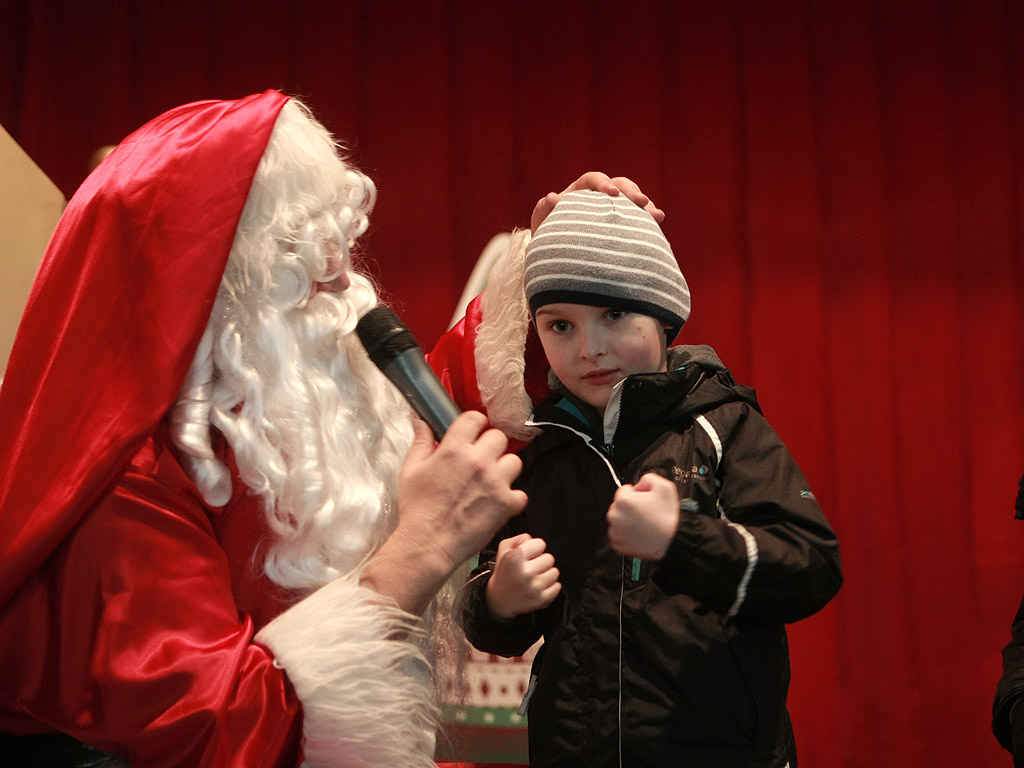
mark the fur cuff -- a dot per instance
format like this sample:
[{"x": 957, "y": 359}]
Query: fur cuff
[{"x": 363, "y": 682}]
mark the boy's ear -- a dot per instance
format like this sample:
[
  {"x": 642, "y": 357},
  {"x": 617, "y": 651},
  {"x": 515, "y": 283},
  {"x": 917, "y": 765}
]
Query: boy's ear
[
  {"x": 667, "y": 335},
  {"x": 669, "y": 338}
]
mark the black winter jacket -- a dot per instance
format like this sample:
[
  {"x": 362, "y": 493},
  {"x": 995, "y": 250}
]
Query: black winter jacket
[
  {"x": 684, "y": 661},
  {"x": 1007, "y": 710},
  {"x": 1010, "y": 693}
]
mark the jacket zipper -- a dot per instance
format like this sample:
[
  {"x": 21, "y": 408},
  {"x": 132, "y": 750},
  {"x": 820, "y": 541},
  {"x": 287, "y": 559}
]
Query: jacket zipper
[{"x": 604, "y": 451}]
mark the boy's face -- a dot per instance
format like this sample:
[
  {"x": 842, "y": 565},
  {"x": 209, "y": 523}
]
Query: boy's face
[{"x": 591, "y": 349}]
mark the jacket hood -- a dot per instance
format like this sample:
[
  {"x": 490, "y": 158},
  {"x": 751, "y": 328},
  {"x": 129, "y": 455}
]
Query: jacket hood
[{"x": 713, "y": 382}]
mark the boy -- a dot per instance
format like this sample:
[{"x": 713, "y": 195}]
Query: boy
[{"x": 669, "y": 535}]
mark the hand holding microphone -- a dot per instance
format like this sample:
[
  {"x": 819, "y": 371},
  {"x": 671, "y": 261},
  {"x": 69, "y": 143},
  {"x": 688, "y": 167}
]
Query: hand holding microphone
[{"x": 452, "y": 498}]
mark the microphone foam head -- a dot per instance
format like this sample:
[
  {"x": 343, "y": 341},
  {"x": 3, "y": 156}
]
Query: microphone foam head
[{"x": 384, "y": 336}]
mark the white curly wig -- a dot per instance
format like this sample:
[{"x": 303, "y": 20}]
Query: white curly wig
[{"x": 316, "y": 430}]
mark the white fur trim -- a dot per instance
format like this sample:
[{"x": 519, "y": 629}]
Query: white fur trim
[
  {"x": 501, "y": 343},
  {"x": 364, "y": 684}
]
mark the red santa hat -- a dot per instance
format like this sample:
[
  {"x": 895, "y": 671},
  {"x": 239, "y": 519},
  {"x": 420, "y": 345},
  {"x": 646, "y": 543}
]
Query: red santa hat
[{"x": 121, "y": 299}]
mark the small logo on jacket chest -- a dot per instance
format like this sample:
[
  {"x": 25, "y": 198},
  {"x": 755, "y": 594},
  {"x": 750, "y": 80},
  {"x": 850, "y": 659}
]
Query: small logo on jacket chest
[{"x": 689, "y": 475}]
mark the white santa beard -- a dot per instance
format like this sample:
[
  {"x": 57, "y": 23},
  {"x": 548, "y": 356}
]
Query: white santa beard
[
  {"x": 320, "y": 434},
  {"x": 333, "y": 439}
]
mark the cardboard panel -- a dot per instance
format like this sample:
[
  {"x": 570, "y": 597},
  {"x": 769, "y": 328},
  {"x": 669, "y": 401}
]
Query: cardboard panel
[{"x": 30, "y": 205}]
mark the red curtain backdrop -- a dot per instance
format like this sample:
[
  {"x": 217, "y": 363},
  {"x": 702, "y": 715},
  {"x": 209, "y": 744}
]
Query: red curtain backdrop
[{"x": 843, "y": 183}]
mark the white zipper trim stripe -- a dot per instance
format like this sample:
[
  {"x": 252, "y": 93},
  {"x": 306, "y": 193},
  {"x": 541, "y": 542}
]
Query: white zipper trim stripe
[
  {"x": 610, "y": 422},
  {"x": 586, "y": 439},
  {"x": 713, "y": 435},
  {"x": 748, "y": 538},
  {"x": 751, "y": 543}
]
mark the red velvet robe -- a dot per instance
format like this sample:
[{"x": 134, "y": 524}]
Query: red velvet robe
[{"x": 136, "y": 634}]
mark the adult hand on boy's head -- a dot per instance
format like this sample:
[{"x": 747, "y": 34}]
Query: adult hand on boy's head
[
  {"x": 643, "y": 518},
  {"x": 525, "y": 578},
  {"x": 599, "y": 182}
]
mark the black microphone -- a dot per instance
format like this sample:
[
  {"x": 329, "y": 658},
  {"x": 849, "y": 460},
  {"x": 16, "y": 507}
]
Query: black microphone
[{"x": 393, "y": 348}]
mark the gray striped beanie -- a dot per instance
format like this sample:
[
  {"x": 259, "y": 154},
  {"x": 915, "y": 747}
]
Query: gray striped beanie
[{"x": 607, "y": 252}]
